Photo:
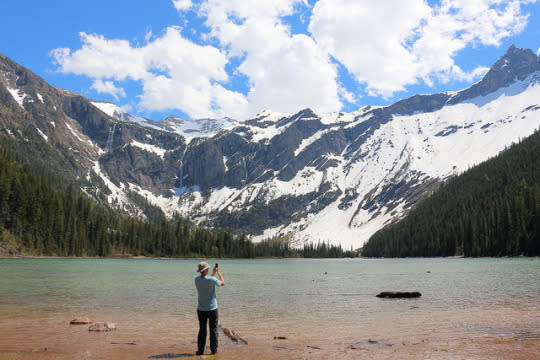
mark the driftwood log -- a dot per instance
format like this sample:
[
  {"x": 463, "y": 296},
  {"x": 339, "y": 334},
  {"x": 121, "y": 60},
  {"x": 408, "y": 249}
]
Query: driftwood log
[
  {"x": 81, "y": 321},
  {"x": 399, "y": 294},
  {"x": 232, "y": 335}
]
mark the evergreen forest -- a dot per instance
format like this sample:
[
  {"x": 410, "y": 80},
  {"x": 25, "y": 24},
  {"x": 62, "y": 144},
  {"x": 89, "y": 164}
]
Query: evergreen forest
[
  {"x": 39, "y": 218},
  {"x": 492, "y": 209}
]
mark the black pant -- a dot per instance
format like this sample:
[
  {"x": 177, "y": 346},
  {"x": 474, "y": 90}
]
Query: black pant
[{"x": 212, "y": 318}]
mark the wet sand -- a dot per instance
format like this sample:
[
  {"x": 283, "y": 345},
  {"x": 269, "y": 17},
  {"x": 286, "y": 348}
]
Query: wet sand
[{"x": 492, "y": 334}]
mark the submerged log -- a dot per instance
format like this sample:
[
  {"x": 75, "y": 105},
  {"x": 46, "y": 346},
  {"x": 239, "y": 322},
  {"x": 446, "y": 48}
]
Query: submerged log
[
  {"x": 232, "y": 335},
  {"x": 399, "y": 294}
]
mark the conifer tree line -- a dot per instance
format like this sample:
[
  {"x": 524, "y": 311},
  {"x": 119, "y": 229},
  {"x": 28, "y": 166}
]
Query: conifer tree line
[
  {"x": 492, "y": 209},
  {"x": 61, "y": 220},
  {"x": 281, "y": 247}
]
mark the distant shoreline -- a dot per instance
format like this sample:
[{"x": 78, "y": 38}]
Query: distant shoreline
[{"x": 133, "y": 257}]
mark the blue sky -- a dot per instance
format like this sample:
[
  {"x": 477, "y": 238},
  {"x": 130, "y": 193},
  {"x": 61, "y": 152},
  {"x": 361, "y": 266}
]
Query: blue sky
[{"x": 236, "y": 58}]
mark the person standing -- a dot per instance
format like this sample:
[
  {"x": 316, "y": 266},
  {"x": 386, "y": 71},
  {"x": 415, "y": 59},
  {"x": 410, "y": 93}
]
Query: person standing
[{"x": 207, "y": 308}]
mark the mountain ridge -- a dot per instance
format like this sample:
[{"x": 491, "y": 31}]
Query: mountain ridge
[{"x": 334, "y": 177}]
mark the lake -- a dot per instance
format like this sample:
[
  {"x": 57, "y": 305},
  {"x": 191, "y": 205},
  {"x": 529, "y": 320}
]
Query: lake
[{"x": 469, "y": 308}]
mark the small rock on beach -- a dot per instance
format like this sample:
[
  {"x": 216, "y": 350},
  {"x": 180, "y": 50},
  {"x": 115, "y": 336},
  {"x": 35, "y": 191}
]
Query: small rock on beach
[{"x": 102, "y": 327}]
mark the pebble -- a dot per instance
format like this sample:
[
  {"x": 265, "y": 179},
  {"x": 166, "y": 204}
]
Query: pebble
[{"x": 102, "y": 327}]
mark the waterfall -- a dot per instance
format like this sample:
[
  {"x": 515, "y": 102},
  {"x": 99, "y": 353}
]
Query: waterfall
[{"x": 110, "y": 139}]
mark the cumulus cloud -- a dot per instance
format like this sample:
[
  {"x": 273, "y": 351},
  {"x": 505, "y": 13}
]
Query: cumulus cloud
[
  {"x": 369, "y": 38},
  {"x": 347, "y": 95},
  {"x": 385, "y": 46},
  {"x": 286, "y": 72},
  {"x": 102, "y": 58},
  {"x": 175, "y": 73},
  {"x": 108, "y": 87},
  {"x": 182, "y": 5},
  {"x": 389, "y": 45}
]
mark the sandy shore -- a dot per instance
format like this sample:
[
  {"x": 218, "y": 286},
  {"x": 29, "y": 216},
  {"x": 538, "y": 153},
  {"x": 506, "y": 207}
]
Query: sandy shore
[
  {"x": 50, "y": 338},
  {"x": 109, "y": 348}
]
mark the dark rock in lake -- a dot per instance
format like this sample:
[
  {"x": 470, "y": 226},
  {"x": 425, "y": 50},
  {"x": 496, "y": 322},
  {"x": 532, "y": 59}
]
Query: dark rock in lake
[{"x": 399, "y": 294}]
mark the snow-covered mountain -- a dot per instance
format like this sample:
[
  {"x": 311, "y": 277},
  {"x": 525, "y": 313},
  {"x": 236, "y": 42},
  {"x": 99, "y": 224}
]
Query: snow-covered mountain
[
  {"x": 189, "y": 129},
  {"x": 336, "y": 177}
]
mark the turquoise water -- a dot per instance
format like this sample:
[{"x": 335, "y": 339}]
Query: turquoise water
[{"x": 318, "y": 298}]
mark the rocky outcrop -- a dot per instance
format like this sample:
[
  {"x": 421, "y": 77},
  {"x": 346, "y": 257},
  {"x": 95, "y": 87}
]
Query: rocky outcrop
[{"x": 204, "y": 165}]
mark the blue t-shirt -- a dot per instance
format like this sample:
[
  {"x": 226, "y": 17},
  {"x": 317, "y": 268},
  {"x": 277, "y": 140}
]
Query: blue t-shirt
[{"x": 206, "y": 287}]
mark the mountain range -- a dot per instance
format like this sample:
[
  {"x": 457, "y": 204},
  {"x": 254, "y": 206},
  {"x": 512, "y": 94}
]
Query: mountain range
[{"x": 332, "y": 177}]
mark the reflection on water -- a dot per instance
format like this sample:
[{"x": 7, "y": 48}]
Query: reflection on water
[{"x": 316, "y": 301}]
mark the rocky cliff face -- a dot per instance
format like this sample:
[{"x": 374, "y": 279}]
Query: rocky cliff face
[{"x": 318, "y": 177}]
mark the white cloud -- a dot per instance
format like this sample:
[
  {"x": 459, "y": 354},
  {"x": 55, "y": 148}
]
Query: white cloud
[
  {"x": 102, "y": 58},
  {"x": 175, "y": 73},
  {"x": 369, "y": 38},
  {"x": 347, "y": 95},
  {"x": 389, "y": 45},
  {"x": 384, "y": 45},
  {"x": 108, "y": 87},
  {"x": 182, "y": 5},
  {"x": 286, "y": 72}
]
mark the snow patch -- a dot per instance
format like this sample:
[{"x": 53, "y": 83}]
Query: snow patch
[
  {"x": 310, "y": 140},
  {"x": 73, "y": 132},
  {"x": 107, "y": 107},
  {"x": 269, "y": 116},
  {"x": 117, "y": 196},
  {"x": 18, "y": 95},
  {"x": 42, "y": 134},
  {"x": 150, "y": 148}
]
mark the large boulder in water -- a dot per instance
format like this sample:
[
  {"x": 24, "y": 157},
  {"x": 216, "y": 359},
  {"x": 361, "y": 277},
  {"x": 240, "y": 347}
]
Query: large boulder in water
[{"x": 399, "y": 294}]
